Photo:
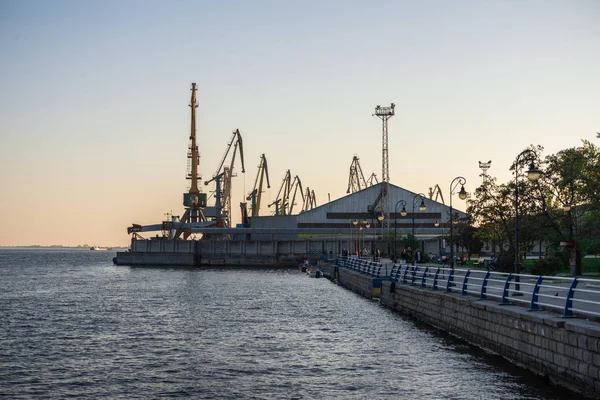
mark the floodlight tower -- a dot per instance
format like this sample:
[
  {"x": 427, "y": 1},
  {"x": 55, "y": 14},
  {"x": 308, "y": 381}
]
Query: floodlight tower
[
  {"x": 385, "y": 113},
  {"x": 484, "y": 167}
]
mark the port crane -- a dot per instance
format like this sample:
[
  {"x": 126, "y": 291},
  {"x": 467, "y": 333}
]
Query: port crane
[
  {"x": 290, "y": 202},
  {"x": 437, "y": 192},
  {"x": 256, "y": 193},
  {"x": 282, "y": 194},
  {"x": 286, "y": 196},
  {"x": 372, "y": 178},
  {"x": 194, "y": 200},
  {"x": 356, "y": 179},
  {"x": 222, "y": 178},
  {"x": 310, "y": 200}
]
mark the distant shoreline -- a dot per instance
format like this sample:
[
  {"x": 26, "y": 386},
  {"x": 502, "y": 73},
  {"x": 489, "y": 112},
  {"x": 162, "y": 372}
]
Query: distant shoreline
[{"x": 62, "y": 247}]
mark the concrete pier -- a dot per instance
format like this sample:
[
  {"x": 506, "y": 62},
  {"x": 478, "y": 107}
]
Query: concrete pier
[{"x": 278, "y": 253}]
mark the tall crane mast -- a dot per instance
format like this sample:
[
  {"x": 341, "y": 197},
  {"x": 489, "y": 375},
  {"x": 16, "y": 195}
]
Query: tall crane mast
[
  {"x": 194, "y": 200},
  {"x": 256, "y": 193},
  {"x": 385, "y": 113},
  {"x": 356, "y": 179}
]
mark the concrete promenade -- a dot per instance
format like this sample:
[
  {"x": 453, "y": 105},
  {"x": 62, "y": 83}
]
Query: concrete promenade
[{"x": 565, "y": 350}]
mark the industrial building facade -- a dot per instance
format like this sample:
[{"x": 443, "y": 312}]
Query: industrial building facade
[{"x": 357, "y": 214}]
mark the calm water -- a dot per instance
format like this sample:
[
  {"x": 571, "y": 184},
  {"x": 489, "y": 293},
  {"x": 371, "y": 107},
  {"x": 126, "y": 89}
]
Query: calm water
[{"x": 74, "y": 325}]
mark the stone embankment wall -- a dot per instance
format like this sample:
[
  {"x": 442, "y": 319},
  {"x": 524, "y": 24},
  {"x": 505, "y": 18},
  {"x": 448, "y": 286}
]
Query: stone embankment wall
[{"x": 566, "y": 350}]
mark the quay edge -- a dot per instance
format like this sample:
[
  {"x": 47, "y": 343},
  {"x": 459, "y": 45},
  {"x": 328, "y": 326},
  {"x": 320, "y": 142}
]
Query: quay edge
[{"x": 198, "y": 253}]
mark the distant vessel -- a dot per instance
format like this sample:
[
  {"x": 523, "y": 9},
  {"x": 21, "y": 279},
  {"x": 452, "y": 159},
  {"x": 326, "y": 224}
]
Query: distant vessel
[{"x": 99, "y": 248}]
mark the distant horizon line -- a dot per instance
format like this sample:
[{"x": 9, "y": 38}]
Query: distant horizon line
[{"x": 63, "y": 246}]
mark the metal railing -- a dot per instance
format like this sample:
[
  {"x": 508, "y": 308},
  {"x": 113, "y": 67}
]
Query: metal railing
[
  {"x": 570, "y": 296},
  {"x": 364, "y": 266}
]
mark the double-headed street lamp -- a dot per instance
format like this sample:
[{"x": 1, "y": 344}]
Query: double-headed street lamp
[
  {"x": 367, "y": 225},
  {"x": 380, "y": 218},
  {"x": 533, "y": 175},
  {"x": 422, "y": 207},
  {"x": 402, "y": 213},
  {"x": 354, "y": 223},
  {"x": 459, "y": 180}
]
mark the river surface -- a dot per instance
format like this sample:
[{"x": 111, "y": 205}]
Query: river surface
[{"x": 75, "y": 326}]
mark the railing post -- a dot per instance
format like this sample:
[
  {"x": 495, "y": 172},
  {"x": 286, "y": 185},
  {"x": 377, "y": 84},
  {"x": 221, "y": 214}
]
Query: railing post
[
  {"x": 405, "y": 273},
  {"x": 435, "y": 279},
  {"x": 484, "y": 286},
  {"x": 450, "y": 280},
  {"x": 569, "y": 301},
  {"x": 465, "y": 282},
  {"x": 534, "y": 295},
  {"x": 414, "y": 274},
  {"x": 424, "y": 276},
  {"x": 505, "y": 292}
]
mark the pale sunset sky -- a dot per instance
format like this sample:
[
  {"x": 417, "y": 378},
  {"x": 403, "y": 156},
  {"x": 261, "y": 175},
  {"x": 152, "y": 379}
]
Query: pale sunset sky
[{"x": 94, "y": 116}]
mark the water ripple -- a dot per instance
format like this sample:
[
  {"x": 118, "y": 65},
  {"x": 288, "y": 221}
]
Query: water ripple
[{"x": 75, "y": 326}]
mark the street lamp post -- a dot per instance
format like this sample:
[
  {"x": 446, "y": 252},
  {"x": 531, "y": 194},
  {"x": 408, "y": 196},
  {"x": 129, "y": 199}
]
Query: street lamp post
[
  {"x": 532, "y": 174},
  {"x": 459, "y": 180},
  {"x": 354, "y": 223},
  {"x": 567, "y": 209},
  {"x": 367, "y": 225},
  {"x": 380, "y": 218},
  {"x": 402, "y": 213},
  {"x": 422, "y": 207}
]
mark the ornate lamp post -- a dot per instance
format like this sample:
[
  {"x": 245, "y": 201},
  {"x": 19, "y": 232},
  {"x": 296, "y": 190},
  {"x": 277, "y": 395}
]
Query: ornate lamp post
[
  {"x": 533, "y": 175},
  {"x": 380, "y": 218},
  {"x": 567, "y": 209},
  {"x": 354, "y": 223},
  {"x": 459, "y": 180},
  {"x": 403, "y": 214},
  {"x": 422, "y": 207},
  {"x": 367, "y": 225}
]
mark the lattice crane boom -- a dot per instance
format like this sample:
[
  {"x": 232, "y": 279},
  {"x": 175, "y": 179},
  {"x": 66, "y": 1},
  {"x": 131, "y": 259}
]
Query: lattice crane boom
[
  {"x": 310, "y": 200},
  {"x": 296, "y": 184},
  {"x": 223, "y": 176},
  {"x": 282, "y": 194},
  {"x": 437, "y": 192},
  {"x": 256, "y": 194},
  {"x": 356, "y": 179}
]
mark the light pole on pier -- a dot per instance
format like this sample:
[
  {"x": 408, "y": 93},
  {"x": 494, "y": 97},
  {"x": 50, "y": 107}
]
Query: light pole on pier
[
  {"x": 422, "y": 207},
  {"x": 403, "y": 214},
  {"x": 533, "y": 175},
  {"x": 459, "y": 180}
]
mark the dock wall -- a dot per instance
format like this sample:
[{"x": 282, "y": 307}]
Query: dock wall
[
  {"x": 280, "y": 253},
  {"x": 566, "y": 351}
]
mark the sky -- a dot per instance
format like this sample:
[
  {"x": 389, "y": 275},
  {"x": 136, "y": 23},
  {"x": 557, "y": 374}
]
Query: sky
[{"x": 94, "y": 116}]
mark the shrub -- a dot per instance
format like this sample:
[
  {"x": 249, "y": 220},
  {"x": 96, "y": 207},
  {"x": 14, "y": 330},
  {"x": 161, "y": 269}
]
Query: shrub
[{"x": 550, "y": 265}]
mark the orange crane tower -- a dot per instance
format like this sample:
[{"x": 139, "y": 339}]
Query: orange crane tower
[{"x": 194, "y": 201}]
